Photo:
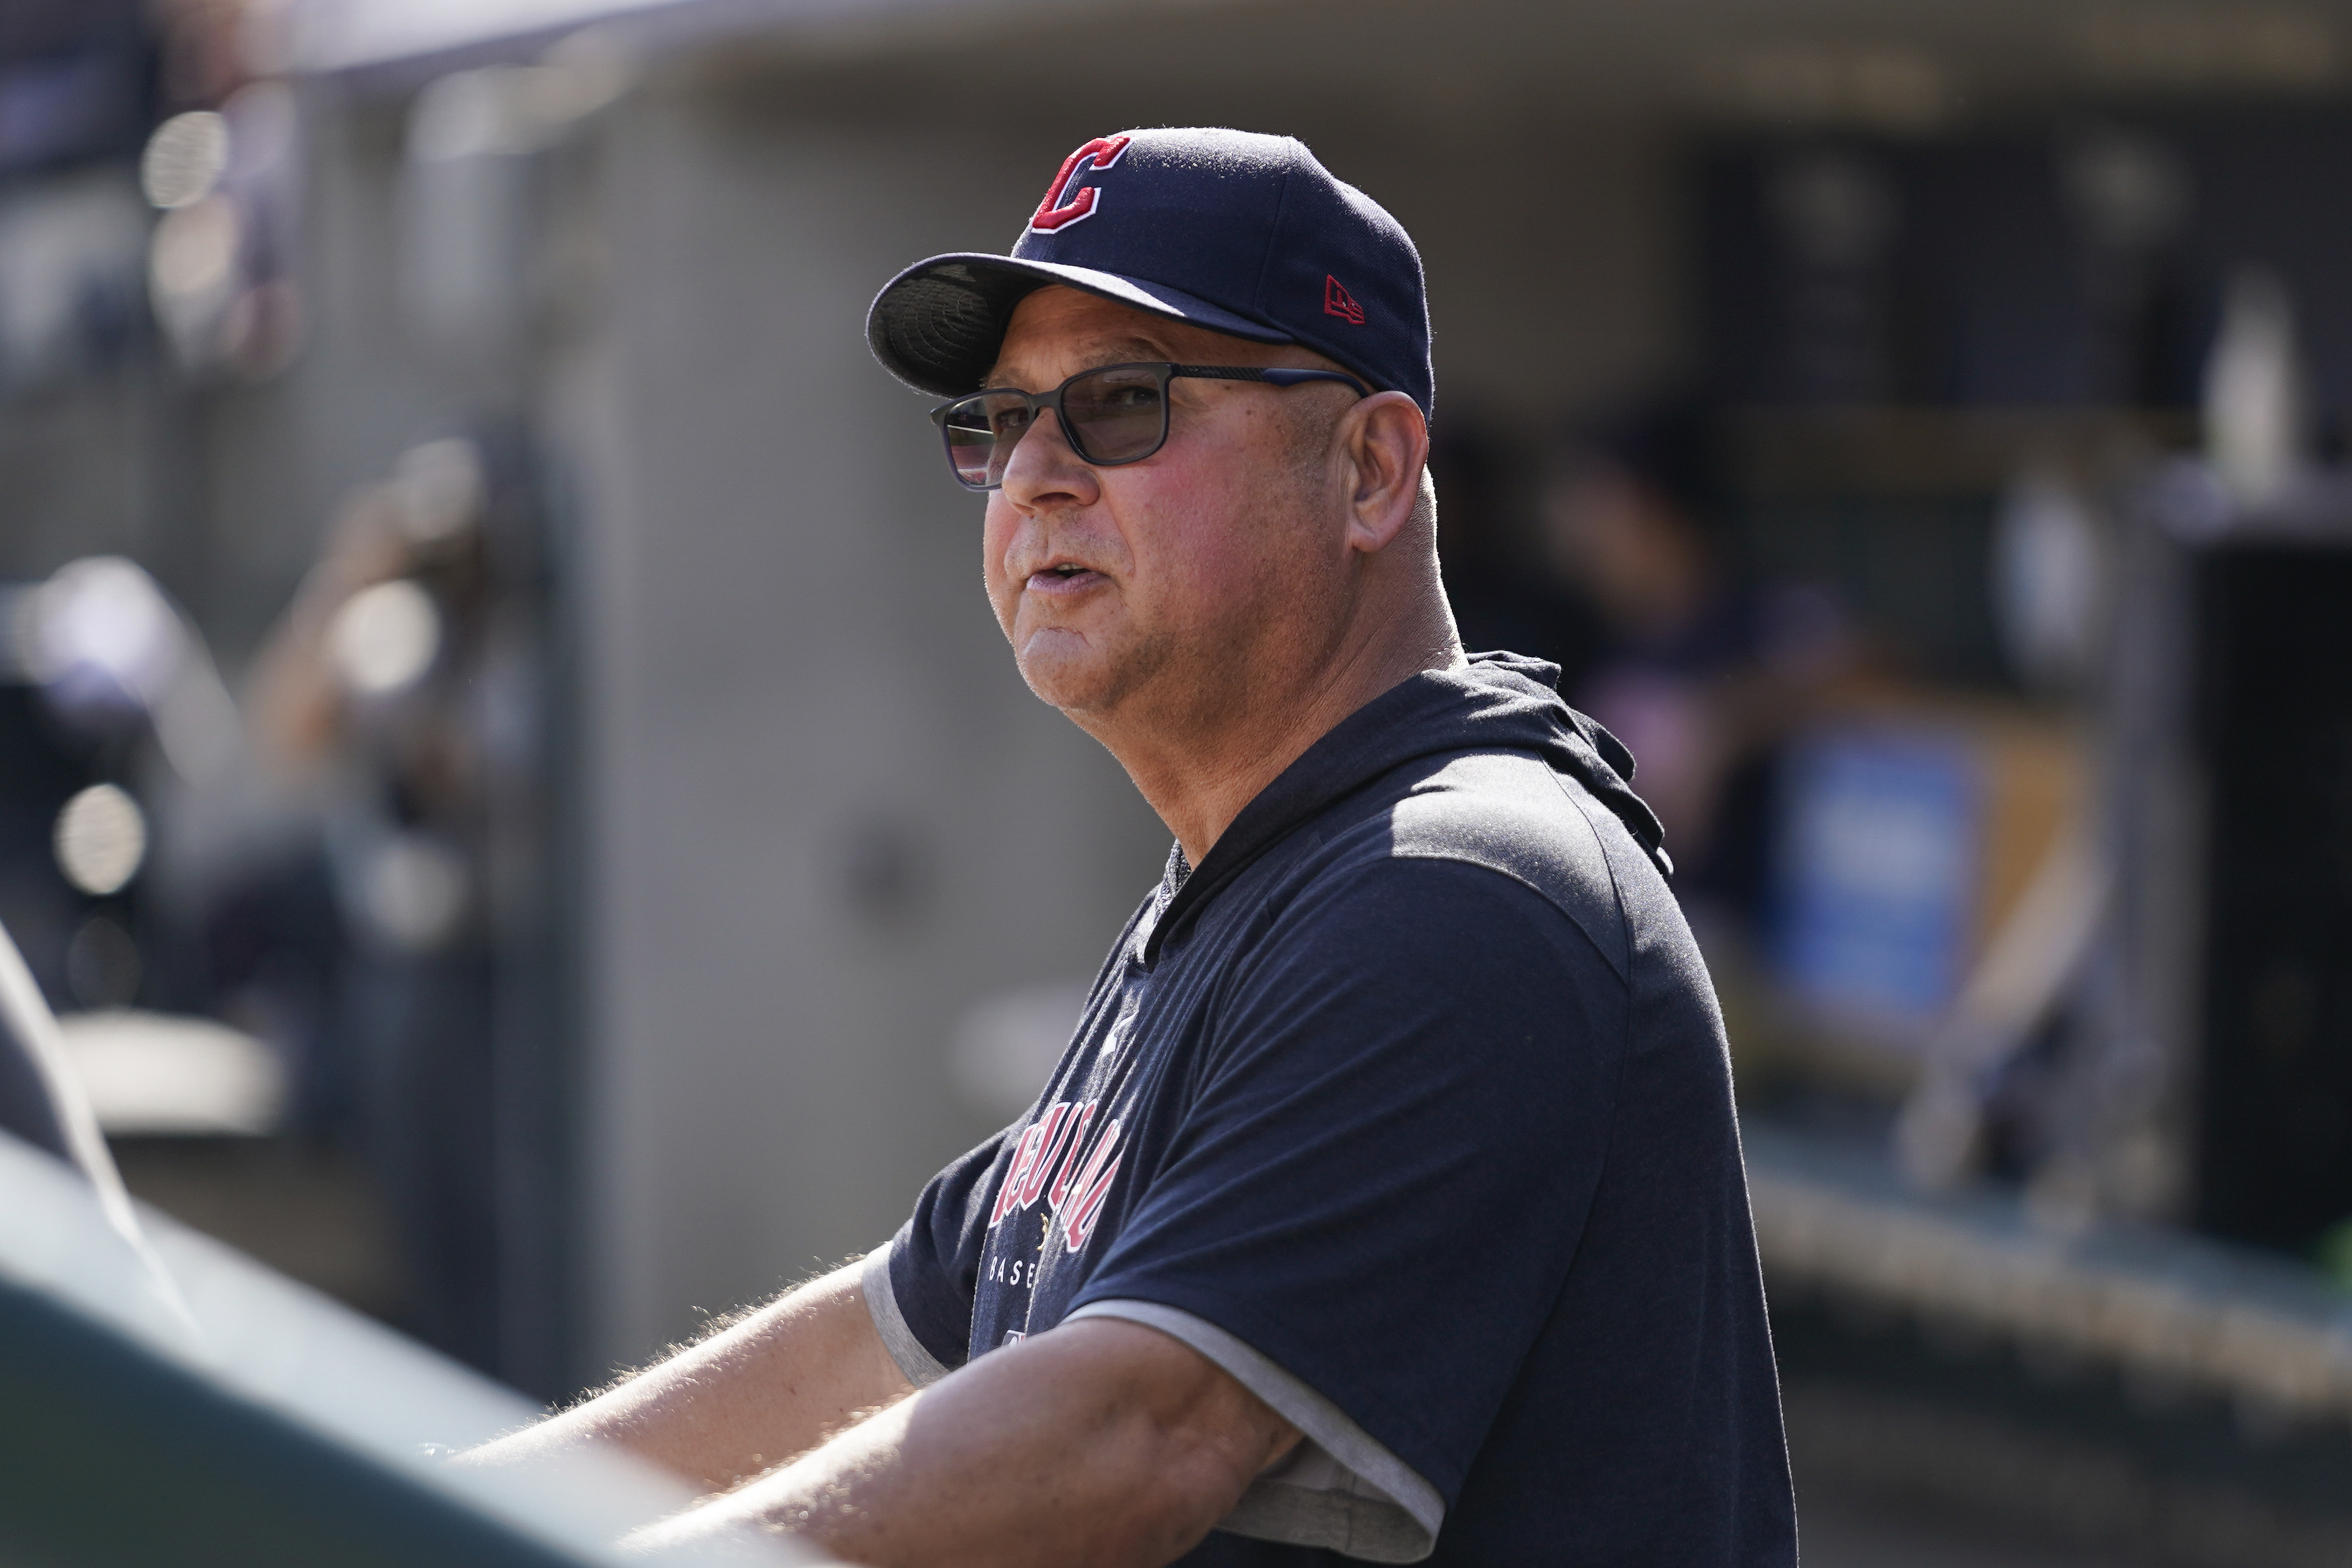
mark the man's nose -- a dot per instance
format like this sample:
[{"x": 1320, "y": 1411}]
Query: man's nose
[{"x": 1045, "y": 468}]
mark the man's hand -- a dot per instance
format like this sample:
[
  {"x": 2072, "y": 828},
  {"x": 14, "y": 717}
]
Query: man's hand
[
  {"x": 772, "y": 1387},
  {"x": 1100, "y": 1443}
]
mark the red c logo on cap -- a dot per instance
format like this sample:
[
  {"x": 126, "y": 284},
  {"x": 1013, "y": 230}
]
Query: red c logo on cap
[{"x": 1095, "y": 157}]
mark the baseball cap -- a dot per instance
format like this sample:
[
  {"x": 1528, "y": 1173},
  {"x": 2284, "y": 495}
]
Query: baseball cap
[{"x": 1238, "y": 232}]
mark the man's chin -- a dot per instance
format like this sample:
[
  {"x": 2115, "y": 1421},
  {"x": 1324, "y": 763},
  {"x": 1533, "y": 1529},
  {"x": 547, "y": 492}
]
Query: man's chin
[
  {"x": 1072, "y": 685},
  {"x": 1076, "y": 678},
  {"x": 1085, "y": 678}
]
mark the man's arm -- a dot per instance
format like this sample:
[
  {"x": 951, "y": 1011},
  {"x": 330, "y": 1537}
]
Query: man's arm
[
  {"x": 1099, "y": 1442},
  {"x": 774, "y": 1386}
]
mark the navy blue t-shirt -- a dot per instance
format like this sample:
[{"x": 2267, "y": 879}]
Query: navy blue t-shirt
[{"x": 1410, "y": 1108}]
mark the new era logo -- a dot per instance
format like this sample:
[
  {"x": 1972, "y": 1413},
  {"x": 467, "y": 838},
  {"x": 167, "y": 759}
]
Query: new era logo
[{"x": 1338, "y": 301}]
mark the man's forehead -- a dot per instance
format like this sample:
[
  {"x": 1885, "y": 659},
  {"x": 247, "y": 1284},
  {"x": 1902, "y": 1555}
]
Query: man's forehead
[
  {"x": 1069, "y": 345},
  {"x": 1078, "y": 351},
  {"x": 1067, "y": 330}
]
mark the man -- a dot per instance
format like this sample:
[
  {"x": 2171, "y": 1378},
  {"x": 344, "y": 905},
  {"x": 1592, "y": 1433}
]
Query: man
[{"x": 1388, "y": 1203}]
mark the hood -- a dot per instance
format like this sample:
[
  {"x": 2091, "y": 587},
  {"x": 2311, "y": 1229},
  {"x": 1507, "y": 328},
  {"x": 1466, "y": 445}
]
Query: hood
[{"x": 1499, "y": 701}]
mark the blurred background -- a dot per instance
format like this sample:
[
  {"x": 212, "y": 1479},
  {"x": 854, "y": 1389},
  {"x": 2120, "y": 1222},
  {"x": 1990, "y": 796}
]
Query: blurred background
[{"x": 506, "y": 772}]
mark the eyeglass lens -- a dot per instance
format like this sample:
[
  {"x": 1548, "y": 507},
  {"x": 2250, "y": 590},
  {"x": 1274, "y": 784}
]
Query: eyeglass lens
[{"x": 1112, "y": 415}]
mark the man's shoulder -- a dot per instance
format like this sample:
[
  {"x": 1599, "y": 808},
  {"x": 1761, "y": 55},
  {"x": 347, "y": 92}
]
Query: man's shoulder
[{"x": 1508, "y": 813}]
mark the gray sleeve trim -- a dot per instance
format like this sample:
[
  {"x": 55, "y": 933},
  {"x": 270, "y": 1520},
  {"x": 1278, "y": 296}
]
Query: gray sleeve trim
[
  {"x": 1340, "y": 1489},
  {"x": 920, "y": 1367}
]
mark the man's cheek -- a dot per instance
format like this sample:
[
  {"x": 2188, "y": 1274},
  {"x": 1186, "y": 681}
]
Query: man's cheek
[{"x": 1003, "y": 593}]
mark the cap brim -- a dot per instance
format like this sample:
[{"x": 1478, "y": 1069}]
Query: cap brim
[{"x": 938, "y": 326}]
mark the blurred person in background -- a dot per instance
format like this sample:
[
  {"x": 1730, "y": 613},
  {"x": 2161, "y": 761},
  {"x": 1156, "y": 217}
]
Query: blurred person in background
[
  {"x": 394, "y": 699},
  {"x": 1388, "y": 1203},
  {"x": 1699, "y": 670},
  {"x": 1501, "y": 597}
]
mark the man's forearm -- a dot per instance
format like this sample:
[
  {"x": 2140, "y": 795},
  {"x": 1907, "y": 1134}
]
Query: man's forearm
[
  {"x": 1101, "y": 1443},
  {"x": 773, "y": 1386}
]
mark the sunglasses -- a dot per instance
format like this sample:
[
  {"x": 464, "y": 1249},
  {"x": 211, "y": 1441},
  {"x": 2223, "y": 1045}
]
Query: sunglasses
[{"x": 1116, "y": 415}]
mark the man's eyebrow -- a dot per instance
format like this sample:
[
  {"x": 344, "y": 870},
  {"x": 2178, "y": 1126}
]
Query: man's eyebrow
[{"x": 1108, "y": 351}]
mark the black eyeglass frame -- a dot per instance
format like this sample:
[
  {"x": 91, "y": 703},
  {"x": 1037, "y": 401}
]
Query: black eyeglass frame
[{"x": 1167, "y": 372}]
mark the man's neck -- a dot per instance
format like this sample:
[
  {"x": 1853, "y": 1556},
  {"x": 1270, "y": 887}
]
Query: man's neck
[{"x": 1199, "y": 774}]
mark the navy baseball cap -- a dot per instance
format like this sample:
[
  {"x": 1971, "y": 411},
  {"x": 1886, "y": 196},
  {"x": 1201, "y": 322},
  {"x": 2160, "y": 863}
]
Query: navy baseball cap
[{"x": 1230, "y": 230}]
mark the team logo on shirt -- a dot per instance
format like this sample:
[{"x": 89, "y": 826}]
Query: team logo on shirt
[{"x": 1053, "y": 1161}]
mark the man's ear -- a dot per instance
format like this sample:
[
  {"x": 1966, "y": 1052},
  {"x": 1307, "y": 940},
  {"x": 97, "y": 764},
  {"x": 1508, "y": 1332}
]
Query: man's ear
[{"x": 1386, "y": 442}]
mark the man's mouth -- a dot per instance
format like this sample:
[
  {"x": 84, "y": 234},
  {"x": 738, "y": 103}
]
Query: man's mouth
[{"x": 1063, "y": 577}]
